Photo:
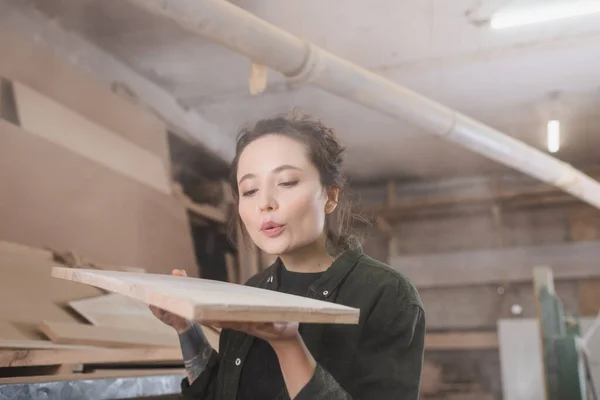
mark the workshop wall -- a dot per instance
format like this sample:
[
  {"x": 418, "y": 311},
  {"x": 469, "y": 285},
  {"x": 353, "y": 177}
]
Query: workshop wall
[{"x": 476, "y": 373}]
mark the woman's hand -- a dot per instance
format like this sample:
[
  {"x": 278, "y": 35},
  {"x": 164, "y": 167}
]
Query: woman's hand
[
  {"x": 178, "y": 323},
  {"x": 274, "y": 333},
  {"x": 296, "y": 362}
]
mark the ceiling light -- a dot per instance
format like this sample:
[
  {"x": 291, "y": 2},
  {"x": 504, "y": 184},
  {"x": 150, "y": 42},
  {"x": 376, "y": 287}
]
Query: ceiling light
[
  {"x": 542, "y": 12},
  {"x": 553, "y": 132}
]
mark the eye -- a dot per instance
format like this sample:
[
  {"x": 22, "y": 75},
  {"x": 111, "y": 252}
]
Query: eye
[
  {"x": 249, "y": 193},
  {"x": 288, "y": 184}
]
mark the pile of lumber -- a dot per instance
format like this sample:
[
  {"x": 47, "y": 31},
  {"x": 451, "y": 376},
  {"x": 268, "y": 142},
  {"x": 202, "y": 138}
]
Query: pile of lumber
[{"x": 53, "y": 326}]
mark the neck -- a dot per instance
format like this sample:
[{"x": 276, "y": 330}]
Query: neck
[{"x": 311, "y": 258}]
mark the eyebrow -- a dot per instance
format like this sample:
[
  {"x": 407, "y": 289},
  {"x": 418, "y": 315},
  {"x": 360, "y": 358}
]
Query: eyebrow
[{"x": 275, "y": 170}]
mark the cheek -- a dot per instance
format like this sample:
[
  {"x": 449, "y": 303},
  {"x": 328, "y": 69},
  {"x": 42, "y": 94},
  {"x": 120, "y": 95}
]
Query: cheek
[
  {"x": 245, "y": 212},
  {"x": 308, "y": 211}
]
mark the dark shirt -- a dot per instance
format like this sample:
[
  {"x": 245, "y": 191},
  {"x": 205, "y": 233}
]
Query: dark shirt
[
  {"x": 380, "y": 358},
  {"x": 261, "y": 377}
]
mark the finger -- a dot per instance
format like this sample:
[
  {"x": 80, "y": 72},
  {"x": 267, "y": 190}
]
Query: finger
[
  {"x": 178, "y": 272},
  {"x": 157, "y": 312}
]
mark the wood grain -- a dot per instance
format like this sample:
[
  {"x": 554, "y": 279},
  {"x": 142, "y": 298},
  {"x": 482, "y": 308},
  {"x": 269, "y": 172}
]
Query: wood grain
[
  {"x": 43, "y": 116},
  {"x": 206, "y": 300}
]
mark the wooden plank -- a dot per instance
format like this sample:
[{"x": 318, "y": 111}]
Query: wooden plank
[
  {"x": 584, "y": 224},
  {"x": 37, "y": 357},
  {"x": 461, "y": 341},
  {"x": 53, "y": 198},
  {"x": 232, "y": 269},
  {"x": 10, "y": 247},
  {"x": 39, "y": 344},
  {"x": 589, "y": 297},
  {"x": 91, "y": 335},
  {"x": 118, "y": 311},
  {"x": 43, "y": 116},
  {"x": 206, "y": 300},
  {"x": 21, "y": 60},
  {"x": 567, "y": 261},
  {"x": 97, "y": 374}
]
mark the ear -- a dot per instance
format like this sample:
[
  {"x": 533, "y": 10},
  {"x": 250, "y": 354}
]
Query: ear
[{"x": 332, "y": 199}]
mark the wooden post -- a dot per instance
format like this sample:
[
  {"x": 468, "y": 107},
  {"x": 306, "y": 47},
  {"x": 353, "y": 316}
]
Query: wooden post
[
  {"x": 393, "y": 240},
  {"x": 248, "y": 257}
]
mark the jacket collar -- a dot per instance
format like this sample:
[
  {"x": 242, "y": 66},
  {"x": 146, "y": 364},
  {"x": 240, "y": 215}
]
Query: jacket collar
[{"x": 328, "y": 282}]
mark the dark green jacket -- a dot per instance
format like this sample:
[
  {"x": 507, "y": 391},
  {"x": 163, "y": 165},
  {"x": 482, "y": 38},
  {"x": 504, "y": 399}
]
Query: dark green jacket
[{"x": 380, "y": 358}]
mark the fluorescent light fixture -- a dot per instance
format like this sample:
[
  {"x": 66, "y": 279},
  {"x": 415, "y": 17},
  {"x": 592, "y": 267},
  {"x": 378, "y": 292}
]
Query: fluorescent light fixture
[
  {"x": 553, "y": 132},
  {"x": 542, "y": 12}
]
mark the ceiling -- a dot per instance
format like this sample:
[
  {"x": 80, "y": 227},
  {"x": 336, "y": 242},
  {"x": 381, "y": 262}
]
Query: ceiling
[{"x": 503, "y": 78}]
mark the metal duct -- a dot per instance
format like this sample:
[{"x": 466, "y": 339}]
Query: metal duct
[{"x": 303, "y": 62}]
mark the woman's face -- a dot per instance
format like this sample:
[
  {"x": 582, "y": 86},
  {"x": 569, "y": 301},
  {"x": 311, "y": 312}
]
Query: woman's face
[{"x": 282, "y": 202}]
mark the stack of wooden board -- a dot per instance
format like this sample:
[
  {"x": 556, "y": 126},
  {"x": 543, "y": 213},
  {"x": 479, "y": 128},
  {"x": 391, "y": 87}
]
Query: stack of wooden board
[
  {"x": 57, "y": 322},
  {"x": 84, "y": 169},
  {"x": 47, "y": 322}
]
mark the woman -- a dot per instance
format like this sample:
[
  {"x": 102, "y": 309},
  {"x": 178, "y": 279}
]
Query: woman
[{"x": 288, "y": 185}]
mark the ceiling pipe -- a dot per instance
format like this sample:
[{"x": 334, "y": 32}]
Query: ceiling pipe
[{"x": 303, "y": 62}]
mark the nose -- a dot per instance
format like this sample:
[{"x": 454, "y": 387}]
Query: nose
[{"x": 267, "y": 200}]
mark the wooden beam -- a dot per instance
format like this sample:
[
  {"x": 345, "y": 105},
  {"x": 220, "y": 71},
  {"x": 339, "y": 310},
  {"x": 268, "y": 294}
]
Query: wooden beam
[
  {"x": 203, "y": 210},
  {"x": 530, "y": 194},
  {"x": 461, "y": 341},
  {"x": 482, "y": 267},
  {"x": 207, "y": 211},
  {"x": 61, "y": 45}
]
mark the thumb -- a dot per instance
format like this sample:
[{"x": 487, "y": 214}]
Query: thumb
[
  {"x": 284, "y": 327},
  {"x": 179, "y": 272}
]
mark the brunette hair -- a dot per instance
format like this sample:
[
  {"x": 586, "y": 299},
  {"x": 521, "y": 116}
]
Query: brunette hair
[{"x": 326, "y": 154}]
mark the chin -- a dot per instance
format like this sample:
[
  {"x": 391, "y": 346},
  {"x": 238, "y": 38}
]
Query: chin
[{"x": 273, "y": 248}]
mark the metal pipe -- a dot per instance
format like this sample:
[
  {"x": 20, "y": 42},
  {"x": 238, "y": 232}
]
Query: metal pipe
[{"x": 303, "y": 62}]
